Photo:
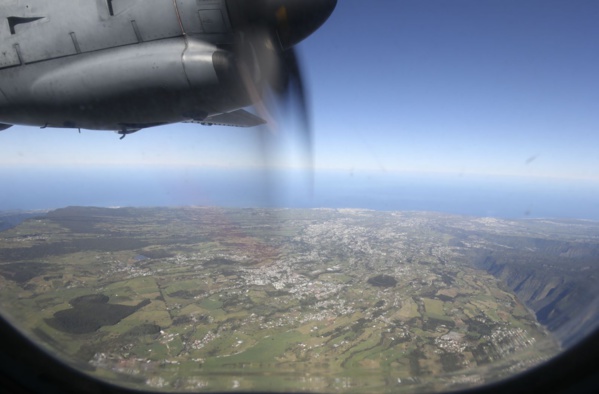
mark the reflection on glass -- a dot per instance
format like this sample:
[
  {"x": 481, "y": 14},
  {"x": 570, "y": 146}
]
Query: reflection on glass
[
  {"x": 451, "y": 238},
  {"x": 324, "y": 299}
]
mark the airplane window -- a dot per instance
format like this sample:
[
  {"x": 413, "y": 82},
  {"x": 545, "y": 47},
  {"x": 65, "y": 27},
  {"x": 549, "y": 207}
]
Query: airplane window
[{"x": 320, "y": 196}]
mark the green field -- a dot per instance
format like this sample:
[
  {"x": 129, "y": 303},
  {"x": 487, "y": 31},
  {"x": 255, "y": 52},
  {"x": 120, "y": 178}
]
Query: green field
[{"x": 238, "y": 299}]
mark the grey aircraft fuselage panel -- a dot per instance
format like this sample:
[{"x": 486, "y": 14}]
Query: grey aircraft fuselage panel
[
  {"x": 112, "y": 64},
  {"x": 69, "y": 27}
]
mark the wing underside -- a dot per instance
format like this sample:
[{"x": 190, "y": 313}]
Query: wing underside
[{"x": 238, "y": 118}]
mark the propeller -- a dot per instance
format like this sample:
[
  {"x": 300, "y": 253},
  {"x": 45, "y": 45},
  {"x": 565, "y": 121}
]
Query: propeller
[{"x": 266, "y": 60}]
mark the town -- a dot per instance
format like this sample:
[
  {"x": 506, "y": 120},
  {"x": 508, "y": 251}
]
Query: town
[{"x": 316, "y": 299}]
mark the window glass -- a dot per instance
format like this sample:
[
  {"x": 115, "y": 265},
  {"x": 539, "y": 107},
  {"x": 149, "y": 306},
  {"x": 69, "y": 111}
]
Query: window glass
[{"x": 446, "y": 236}]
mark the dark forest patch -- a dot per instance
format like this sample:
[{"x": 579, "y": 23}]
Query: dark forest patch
[
  {"x": 414, "y": 358},
  {"x": 87, "y": 219},
  {"x": 476, "y": 326},
  {"x": 383, "y": 281},
  {"x": 277, "y": 293},
  {"x": 141, "y": 330},
  {"x": 91, "y": 312},
  {"x": 23, "y": 272},
  {"x": 229, "y": 272},
  {"x": 431, "y": 324},
  {"x": 10, "y": 220},
  {"x": 443, "y": 297},
  {"x": 157, "y": 254},
  {"x": 485, "y": 353},
  {"x": 451, "y": 362},
  {"x": 180, "y": 320},
  {"x": 81, "y": 244}
]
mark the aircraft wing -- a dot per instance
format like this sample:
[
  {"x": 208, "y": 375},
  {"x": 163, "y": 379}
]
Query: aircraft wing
[
  {"x": 4, "y": 126},
  {"x": 238, "y": 118}
]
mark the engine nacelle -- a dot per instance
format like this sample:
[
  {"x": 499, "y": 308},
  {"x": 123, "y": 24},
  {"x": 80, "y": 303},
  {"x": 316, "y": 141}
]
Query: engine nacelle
[{"x": 134, "y": 86}]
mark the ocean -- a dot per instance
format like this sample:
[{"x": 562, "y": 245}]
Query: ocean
[{"x": 503, "y": 197}]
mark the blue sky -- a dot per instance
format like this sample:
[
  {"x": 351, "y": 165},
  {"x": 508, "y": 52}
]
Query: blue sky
[
  {"x": 505, "y": 87},
  {"x": 460, "y": 87},
  {"x": 497, "y": 87}
]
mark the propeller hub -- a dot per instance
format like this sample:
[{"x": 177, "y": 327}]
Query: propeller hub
[{"x": 290, "y": 20}]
